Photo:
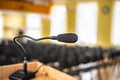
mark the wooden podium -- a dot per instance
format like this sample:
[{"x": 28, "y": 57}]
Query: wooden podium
[{"x": 44, "y": 73}]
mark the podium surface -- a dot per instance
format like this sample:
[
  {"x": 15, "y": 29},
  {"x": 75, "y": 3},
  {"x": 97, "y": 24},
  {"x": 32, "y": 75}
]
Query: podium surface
[{"x": 44, "y": 73}]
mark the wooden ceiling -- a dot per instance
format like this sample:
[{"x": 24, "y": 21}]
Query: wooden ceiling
[
  {"x": 37, "y": 6},
  {"x": 27, "y": 5}
]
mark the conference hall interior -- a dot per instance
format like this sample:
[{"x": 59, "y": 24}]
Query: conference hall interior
[{"x": 70, "y": 39}]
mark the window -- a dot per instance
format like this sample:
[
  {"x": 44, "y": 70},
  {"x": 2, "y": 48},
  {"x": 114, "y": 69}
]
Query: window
[
  {"x": 33, "y": 25},
  {"x": 116, "y": 24},
  {"x": 58, "y": 20},
  {"x": 1, "y": 25},
  {"x": 86, "y": 22}
]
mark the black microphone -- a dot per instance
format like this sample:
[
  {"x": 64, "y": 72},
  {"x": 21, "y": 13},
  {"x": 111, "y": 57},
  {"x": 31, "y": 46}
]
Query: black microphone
[
  {"x": 27, "y": 75},
  {"x": 67, "y": 37}
]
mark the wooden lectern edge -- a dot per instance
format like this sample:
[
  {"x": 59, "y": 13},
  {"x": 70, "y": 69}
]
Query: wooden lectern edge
[{"x": 45, "y": 70}]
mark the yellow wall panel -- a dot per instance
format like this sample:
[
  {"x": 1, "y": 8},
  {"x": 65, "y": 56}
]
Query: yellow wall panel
[
  {"x": 104, "y": 23},
  {"x": 45, "y": 27}
]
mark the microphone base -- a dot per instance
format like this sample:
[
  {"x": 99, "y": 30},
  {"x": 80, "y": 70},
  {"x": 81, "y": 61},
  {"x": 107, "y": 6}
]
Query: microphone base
[{"x": 20, "y": 75}]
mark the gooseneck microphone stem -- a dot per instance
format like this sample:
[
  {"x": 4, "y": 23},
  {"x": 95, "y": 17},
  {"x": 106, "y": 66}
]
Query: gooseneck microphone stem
[
  {"x": 25, "y": 65},
  {"x": 24, "y": 51}
]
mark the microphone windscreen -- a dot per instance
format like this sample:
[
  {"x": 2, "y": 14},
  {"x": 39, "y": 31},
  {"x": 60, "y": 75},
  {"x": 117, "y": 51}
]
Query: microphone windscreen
[{"x": 68, "y": 37}]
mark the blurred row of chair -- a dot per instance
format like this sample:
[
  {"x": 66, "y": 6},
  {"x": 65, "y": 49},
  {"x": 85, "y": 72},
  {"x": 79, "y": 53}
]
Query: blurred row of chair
[{"x": 67, "y": 56}]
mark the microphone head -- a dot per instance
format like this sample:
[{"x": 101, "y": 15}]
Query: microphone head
[{"x": 68, "y": 37}]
